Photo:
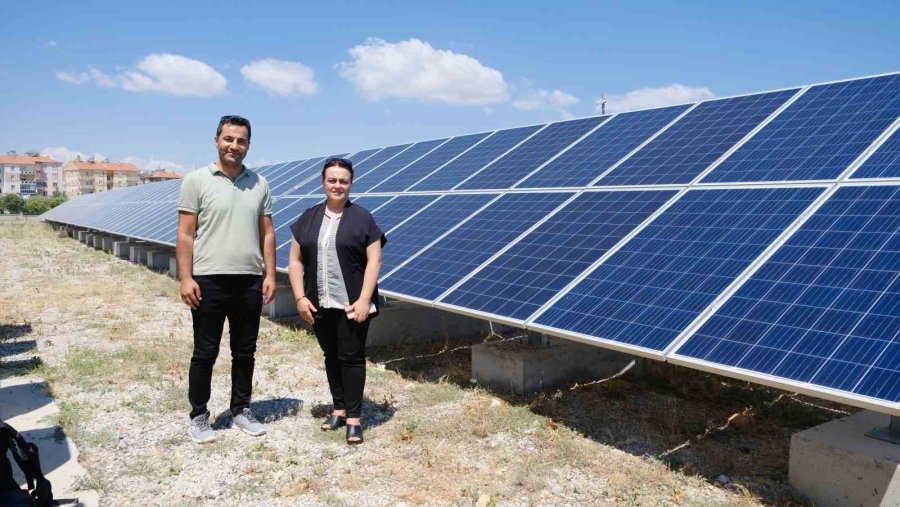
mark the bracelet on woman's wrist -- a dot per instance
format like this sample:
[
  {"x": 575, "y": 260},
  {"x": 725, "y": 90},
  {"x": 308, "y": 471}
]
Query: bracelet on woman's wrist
[{"x": 299, "y": 298}]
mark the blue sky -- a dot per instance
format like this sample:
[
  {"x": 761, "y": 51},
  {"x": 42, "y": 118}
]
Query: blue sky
[{"x": 147, "y": 81}]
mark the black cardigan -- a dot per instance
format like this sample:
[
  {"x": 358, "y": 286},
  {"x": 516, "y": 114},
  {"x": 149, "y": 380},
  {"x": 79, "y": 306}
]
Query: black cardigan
[{"x": 356, "y": 231}]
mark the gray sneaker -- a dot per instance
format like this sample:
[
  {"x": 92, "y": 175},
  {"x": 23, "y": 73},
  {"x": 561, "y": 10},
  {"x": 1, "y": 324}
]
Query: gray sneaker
[
  {"x": 248, "y": 423},
  {"x": 200, "y": 430}
]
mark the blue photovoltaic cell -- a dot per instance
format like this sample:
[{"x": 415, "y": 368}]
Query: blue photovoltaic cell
[
  {"x": 473, "y": 160},
  {"x": 437, "y": 268},
  {"x": 885, "y": 162},
  {"x": 298, "y": 175},
  {"x": 600, "y": 150},
  {"x": 518, "y": 282},
  {"x": 291, "y": 211},
  {"x": 516, "y": 164},
  {"x": 365, "y": 182},
  {"x": 825, "y": 308},
  {"x": 697, "y": 140},
  {"x": 283, "y": 230},
  {"x": 651, "y": 289},
  {"x": 424, "y": 166},
  {"x": 286, "y": 173},
  {"x": 422, "y": 229},
  {"x": 388, "y": 216},
  {"x": 371, "y": 202},
  {"x": 818, "y": 136}
]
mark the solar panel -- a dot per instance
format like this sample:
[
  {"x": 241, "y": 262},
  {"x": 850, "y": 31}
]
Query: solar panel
[
  {"x": 600, "y": 150},
  {"x": 885, "y": 162},
  {"x": 518, "y": 282},
  {"x": 435, "y": 269},
  {"x": 283, "y": 230},
  {"x": 372, "y": 178},
  {"x": 473, "y": 160},
  {"x": 387, "y": 217},
  {"x": 298, "y": 175},
  {"x": 824, "y": 310},
  {"x": 419, "y": 230},
  {"x": 314, "y": 185},
  {"x": 538, "y": 149},
  {"x": 372, "y": 202},
  {"x": 819, "y": 135},
  {"x": 646, "y": 293},
  {"x": 425, "y": 165},
  {"x": 684, "y": 150}
]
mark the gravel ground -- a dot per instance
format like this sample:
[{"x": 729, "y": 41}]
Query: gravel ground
[{"x": 115, "y": 343}]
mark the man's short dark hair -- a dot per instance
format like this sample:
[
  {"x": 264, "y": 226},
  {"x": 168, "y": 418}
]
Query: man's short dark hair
[{"x": 233, "y": 119}]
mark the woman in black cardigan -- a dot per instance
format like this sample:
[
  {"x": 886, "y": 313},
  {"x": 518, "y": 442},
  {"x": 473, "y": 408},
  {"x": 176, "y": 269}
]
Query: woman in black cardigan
[{"x": 333, "y": 267}]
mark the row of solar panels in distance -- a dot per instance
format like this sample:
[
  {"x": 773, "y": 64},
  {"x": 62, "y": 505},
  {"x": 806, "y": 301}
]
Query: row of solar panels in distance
[
  {"x": 811, "y": 133},
  {"x": 634, "y": 269}
]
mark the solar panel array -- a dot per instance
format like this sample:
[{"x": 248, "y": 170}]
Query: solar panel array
[{"x": 755, "y": 236}]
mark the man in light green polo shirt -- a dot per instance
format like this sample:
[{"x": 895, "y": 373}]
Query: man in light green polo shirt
[{"x": 226, "y": 265}]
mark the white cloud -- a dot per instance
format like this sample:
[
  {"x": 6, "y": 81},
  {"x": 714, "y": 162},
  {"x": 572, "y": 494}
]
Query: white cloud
[
  {"x": 540, "y": 99},
  {"x": 92, "y": 75},
  {"x": 51, "y": 43},
  {"x": 281, "y": 77},
  {"x": 414, "y": 69},
  {"x": 156, "y": 164},
  {"x": 646, "y": 98},
  {"x": 64, "y": 154},
  {"x": 160, "y": 73}
]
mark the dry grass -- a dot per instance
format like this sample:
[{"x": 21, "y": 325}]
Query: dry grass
[{"x": 110, "y": 329}]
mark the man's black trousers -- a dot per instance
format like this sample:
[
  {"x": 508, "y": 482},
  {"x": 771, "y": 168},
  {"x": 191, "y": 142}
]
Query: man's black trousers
[
  {"x": 237, "y": 298},
  {"x": 344, "y": 343}
]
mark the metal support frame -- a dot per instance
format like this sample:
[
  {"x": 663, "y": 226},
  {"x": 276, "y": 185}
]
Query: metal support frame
[{"x": 889, "y": 433}]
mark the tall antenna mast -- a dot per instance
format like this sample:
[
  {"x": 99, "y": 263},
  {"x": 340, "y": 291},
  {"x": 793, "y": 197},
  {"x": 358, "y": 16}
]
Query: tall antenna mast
[{"x": 603, "y": 103}]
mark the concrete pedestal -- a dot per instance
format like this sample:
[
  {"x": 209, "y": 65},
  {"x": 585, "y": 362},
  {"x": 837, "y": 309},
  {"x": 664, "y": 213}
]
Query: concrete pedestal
[
  {"x": 138, "y": 253},
  {"x": 521, "y": 367},
  {"x": 97, "y": 241},
  {"x": 122, "y": 249},
  {"x": 835, "y": 464},
  {"x": 82, "y": 235},
  {"x": 107, "y": 244},
  {"x": 283, "y": 305},
  {"x": 173, "y": 267},
  {"x": 158, "y": 259},
  {"x": 402, "y": 322}
]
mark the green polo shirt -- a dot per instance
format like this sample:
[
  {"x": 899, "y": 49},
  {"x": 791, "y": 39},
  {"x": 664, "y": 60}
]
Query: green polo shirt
[{"x": 227, "y": 239}]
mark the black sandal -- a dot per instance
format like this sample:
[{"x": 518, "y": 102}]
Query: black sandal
[
  {"x": 354, "y": 431},
  {"x": 334, "y": 422}
]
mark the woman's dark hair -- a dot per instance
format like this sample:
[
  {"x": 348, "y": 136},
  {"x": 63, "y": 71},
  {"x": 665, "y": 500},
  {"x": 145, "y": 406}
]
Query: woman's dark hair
[
  {"x": 233, "y": 119},
  {"x": 343, "y": 163}
]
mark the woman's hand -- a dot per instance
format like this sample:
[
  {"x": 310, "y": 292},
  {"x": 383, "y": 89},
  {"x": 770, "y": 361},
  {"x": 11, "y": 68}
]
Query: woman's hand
[
  {"x": 358, "y": 311},
  {"x": 306, "y": 309}
]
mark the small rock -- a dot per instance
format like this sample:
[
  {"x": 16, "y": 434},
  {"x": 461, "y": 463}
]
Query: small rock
[
  {"x": 495, "y": 403},
  {"x": 556, "y": 489},
  {"x": 723, "y": 479}
]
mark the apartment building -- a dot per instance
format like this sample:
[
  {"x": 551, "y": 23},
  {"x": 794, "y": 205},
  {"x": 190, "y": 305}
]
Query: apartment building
[
  {"x": 30, "y": 174},
  {"x": 88, "y": 177}
]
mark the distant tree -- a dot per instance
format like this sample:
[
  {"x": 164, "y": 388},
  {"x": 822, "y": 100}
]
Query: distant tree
[
  {"x": 56, "y": 200},
  {"x": 13, "y": 203},
  {"x": 36, "y": 205}
]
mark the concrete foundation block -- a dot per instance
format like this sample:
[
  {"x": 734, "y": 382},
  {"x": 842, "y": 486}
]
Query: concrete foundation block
[
  {"x": 97, "y": 241},
  {"x": 402, "y": 322},
  {"x": 521, "y": 367},
  {"x": 82, "y": 235},
  {"x": 158, "y": 259},
  {"x": 836, "y": 464},
  {"x": 138, "y": 253},
  {"x": 107, "y": 244},
  {"x": 122, "y": 249},
  {"x": 173, "y": 267},
  {"x": 283, "y": 305}
]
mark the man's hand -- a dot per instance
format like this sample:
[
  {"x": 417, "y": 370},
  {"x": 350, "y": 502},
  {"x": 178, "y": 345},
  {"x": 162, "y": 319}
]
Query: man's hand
[
  {"x": 268, "y": 289},
  {"x": 190, "y": 293},
  {"x": 306, "y": 310}
]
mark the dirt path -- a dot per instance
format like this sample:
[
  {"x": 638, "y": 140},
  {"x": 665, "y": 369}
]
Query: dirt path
[{"x": 115, "y": 343}]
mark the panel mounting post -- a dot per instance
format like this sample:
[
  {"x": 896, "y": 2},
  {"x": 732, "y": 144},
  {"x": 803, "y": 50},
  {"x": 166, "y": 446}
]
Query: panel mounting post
[{"x": 889, "y": 433}]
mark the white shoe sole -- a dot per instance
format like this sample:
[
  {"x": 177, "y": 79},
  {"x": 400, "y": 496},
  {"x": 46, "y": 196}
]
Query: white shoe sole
[
  {"x": 203, "y": 440},
  {"x": 251, "y": 433}
]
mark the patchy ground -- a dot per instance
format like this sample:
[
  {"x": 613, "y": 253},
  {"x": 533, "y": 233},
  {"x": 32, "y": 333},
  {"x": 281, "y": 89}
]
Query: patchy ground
[{"x": 115, "y": 341}]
